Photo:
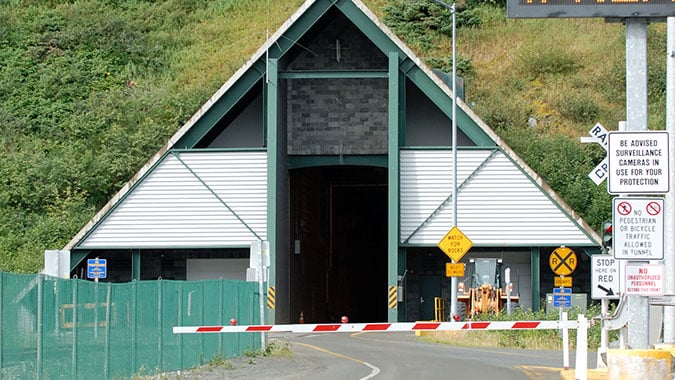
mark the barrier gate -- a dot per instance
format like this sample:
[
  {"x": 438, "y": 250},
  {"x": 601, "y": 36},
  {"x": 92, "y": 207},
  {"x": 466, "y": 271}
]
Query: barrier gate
[{"x": 581, "y": 325}]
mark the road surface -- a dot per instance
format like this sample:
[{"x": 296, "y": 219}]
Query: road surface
[{"x": 382, "y": 356}]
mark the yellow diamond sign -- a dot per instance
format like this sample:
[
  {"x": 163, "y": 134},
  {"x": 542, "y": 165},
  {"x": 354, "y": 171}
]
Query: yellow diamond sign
[{"x": 455, "y": 244}]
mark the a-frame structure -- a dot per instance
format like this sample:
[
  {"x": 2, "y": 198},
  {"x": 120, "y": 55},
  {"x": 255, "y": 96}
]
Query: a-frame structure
[{"x": 333, "y": 143}]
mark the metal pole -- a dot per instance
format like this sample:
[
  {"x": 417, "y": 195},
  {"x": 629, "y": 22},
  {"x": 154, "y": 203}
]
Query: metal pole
[
  {"x": 636, "y": 120},
  {"x": 453, "y": 280},
  {"x": 669, "y": 222}
]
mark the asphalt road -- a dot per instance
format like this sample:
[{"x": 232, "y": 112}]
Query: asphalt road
[
  {"x": 382, "y": 356},
  {"x": 402, "y": 356}
]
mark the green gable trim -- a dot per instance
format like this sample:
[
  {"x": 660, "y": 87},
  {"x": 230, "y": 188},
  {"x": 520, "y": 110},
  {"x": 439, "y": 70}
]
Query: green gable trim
[
  {"x": 414, "y": 73},
  {"x": 465, "y": 123},
  {"x": 222, "y": 106},
  {"x": 299, "y": 28},
  {"x": 289, "y": 39}
]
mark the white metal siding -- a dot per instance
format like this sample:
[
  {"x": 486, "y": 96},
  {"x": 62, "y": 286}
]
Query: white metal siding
[
  {"x": 498, "y": 206},
  {"x": 179, "y": 207}
]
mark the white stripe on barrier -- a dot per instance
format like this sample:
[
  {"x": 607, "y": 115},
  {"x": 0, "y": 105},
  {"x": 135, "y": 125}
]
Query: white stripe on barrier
[{"x": 381, "y": 327}]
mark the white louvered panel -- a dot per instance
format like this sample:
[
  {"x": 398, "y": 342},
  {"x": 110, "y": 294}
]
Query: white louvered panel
[
  {"x": 498, "y": 206},
  {"x": 171, "y": 207}
]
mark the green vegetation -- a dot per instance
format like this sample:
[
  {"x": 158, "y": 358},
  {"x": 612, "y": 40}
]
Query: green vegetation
[
  {"x": 529, "y": 339},
  {"x": 91, "y": 89}
]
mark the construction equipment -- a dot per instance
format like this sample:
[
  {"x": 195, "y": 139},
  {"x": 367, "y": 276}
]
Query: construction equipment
[{"x": 483, "y": 290}]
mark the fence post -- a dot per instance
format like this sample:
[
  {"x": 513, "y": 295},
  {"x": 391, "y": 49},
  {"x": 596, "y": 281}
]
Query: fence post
[
  {"x": 565, "y": 341},
  {"x": 2, "y": 287},
  {"x": 160, "y": 343},
  {"x": 132, "y": 313},
  {"x": 580, "y": 370},
  {"x": 38, "y": 359},
  {"x": 74, "y": 351},
  {"x": 106, "y": 364}
]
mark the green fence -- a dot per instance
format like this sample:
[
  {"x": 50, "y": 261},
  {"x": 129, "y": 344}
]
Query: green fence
[{"x": 54, "y": 328}]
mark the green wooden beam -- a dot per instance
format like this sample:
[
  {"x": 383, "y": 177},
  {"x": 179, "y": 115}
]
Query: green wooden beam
[
  {"x": 464, "y": 123},
  {"x": 221, "y": 107},
  {"x": 297, "y": 162},
  {"x": 136, "y": 264},
  {"x": 333, "y": 74},
  {"x": 272, "y": 90},
  {"x": 536, "y": 277},
  {"x": 393, "y": 195},
  {"x": 76, "y": 258}
]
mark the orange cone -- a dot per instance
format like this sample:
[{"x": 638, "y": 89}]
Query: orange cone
[{"x": 302, "y": 317}]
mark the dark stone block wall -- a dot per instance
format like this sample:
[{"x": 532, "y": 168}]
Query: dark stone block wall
[{"x": 338, "y": 115}]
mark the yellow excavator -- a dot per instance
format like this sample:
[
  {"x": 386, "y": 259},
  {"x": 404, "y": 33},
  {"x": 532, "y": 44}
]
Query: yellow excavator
[{"x": 483, "y": 290}]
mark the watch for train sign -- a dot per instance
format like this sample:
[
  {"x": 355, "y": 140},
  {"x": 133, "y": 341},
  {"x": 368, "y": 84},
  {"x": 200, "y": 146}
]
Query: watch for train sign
[{"x": 637, "y": 226}]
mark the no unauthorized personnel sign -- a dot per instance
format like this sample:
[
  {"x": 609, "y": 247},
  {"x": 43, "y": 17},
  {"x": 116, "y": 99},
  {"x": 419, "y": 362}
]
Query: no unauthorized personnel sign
[{"x": 645, "y": 279}]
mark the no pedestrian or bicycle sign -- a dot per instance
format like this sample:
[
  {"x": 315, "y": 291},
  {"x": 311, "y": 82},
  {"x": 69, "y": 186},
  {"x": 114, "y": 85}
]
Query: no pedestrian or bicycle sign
[
  {"x": 638, "y": 162},
  {"x": 637, "y": 225}
]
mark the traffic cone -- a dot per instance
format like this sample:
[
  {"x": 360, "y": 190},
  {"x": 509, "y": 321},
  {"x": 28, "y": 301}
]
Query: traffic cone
[{"x": 302, "y": 317}]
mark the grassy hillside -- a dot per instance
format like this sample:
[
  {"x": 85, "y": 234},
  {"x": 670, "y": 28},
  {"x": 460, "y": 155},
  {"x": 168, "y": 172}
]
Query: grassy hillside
[{"x": 90, "y": 89}]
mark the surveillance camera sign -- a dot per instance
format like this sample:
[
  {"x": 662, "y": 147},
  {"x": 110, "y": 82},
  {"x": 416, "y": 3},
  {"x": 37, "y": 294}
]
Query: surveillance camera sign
[{"x": 638, "y": 162}]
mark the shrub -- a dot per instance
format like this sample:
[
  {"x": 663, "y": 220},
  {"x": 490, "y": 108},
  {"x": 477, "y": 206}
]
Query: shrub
[{"x": 579, "y": 107}]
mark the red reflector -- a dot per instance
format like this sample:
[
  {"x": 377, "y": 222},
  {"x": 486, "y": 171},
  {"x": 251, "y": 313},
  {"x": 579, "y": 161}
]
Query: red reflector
[
  {"x": 426, "y": 326},
  {"x": 209, "y": 329},
  {"x": 476, "y": 325},
  {"x": 525, "y": 325},
  {"x": 320, "y": 328},
  {"x": 377, "y": 327},
  {"x": 259, "y": 328}
]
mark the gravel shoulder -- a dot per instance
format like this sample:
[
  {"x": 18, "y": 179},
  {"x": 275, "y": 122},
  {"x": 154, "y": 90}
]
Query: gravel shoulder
[{"x": 284, "y": 363}]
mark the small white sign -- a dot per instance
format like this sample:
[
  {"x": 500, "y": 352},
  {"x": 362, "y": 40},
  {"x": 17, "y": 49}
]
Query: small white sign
[
  {"x": 645, "y": 279},
  {"x": 600, "y": 135},
  {"x": 637, "y": 227},
  {"x": 605, "y": 278},
  {"x": 599, "y": 174},
  {"x": 638, "y": 162}
]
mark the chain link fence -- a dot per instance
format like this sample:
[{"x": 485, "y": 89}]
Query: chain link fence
[{"x": 52, "y": 328}]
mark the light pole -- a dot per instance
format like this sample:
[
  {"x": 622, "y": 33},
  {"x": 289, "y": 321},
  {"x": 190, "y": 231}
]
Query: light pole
[{"x": 453, "y": 280}]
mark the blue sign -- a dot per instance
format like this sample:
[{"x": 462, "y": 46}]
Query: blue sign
[
  {"x": 562, "y": 297},
  {"x": 96, "y": 268}
]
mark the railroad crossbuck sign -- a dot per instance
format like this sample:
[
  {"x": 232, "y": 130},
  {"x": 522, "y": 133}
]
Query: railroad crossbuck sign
[
  {"x": 563, "y": 261},
  {"x": 455, "y": 244},
  {"x": 601, "y": 136}
]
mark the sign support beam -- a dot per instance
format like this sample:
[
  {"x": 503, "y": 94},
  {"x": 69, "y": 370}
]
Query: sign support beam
[{"x": 669, "y": 226}]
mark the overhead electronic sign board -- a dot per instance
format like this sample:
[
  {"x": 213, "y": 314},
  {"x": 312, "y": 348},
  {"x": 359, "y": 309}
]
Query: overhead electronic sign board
[{"x": 590, "y": 8}]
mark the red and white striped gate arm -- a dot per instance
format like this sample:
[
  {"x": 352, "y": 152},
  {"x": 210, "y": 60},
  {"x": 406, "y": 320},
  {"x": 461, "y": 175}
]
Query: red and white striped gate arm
[{"x": 374, "y": 327}]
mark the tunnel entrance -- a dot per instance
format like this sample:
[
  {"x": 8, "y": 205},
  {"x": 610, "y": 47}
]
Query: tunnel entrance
[{"x": 338, "y": 263}]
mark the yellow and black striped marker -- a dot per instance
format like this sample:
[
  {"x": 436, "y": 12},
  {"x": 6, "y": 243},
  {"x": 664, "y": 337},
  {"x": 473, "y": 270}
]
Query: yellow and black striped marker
[
  {"x": 393, "y": 297},
  {"x": 271, "y": 297}
]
